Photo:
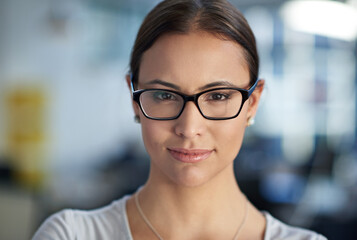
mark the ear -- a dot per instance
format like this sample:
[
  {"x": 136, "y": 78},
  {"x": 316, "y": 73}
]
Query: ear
[
  {"x": 128, "y": 81},
  {"x": 134, "y": 104},
  {"x": 255, "y": 98}
]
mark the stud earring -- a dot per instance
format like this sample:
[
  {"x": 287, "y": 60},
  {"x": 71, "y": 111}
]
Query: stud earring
[
  {"x": 137, "y": 119},
  {"x": 251, "y": 121}
]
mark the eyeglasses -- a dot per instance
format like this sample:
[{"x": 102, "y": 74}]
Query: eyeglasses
[{"x": 213, "y": 104}]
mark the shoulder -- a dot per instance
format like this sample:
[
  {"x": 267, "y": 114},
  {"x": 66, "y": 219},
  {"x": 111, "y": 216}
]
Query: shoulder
[
  {"x": 108, "y": 222},
  {"x": 277, "y": 230}
]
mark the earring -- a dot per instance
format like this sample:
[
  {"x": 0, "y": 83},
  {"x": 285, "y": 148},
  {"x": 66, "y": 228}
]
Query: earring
[
  {"x": 137, "y": 119},
  {"x": 251, "y": 121}
]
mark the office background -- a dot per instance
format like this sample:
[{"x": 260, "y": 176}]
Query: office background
[{"x": 68, "y": 139}]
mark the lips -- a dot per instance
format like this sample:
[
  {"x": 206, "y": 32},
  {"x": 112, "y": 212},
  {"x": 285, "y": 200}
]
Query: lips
[{"x": 189, "y": 155}]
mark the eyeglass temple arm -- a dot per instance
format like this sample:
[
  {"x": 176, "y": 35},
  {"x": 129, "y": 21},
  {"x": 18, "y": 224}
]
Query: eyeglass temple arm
[
  {"x": 252, "y": 88},
  {"x": 131, "y": 82}
]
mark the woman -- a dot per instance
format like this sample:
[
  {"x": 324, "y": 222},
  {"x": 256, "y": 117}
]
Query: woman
[{"x": 193, "y": 77}]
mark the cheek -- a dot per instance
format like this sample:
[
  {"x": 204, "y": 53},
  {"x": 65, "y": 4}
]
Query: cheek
[
  {"x": 229, "y": 137},
  {"x": 154, "y": 133},
  {"x": 232, "y": 133}
]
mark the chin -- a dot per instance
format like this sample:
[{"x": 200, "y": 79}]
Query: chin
[{"x": 190, "y": 176}]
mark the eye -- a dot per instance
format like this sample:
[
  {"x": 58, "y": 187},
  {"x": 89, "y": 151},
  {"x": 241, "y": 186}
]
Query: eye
[
  {"x": 163, "y": 96},
  {"x": 217, "y": 96}
]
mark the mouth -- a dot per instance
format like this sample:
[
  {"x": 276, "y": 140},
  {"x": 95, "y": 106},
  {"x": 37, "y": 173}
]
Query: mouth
[{"x": 189, "y": 155}]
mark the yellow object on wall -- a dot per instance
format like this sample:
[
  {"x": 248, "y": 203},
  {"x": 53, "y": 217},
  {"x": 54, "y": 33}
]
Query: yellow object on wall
[{"x": 25, "y": 144}]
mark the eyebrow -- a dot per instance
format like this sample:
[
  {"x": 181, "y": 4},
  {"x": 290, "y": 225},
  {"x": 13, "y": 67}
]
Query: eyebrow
[
  {"x": 217, "y": 84},
  {"x": 209, "y": 85},
  {"x": 164, "y": 83}
]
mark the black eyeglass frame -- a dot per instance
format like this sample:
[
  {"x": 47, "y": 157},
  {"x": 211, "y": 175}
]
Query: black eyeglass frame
[{"x": 194, "y": 98}]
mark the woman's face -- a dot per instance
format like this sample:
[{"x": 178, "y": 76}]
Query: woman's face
[{"x": 192, "y": 150}]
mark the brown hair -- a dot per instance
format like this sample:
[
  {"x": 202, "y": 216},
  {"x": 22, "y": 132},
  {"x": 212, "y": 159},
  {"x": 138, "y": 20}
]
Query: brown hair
[{"x": 218, "y": 17}]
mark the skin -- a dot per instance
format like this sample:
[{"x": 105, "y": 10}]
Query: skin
[{"x": 196, "y": 200}]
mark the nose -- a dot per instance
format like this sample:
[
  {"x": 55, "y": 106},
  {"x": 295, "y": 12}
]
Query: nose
[{"x": 191, "y": 123}]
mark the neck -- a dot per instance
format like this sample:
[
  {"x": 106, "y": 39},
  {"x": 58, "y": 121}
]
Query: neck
[
  {"x": 218, "y": 189},
  {"x": 206, "y": 206}
]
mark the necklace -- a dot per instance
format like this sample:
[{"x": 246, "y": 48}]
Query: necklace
[{"x": 146, "y": 220}]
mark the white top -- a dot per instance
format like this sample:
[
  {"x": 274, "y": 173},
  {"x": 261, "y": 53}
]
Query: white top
[{"x": 111, "y": 222}]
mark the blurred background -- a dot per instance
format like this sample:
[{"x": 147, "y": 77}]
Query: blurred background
[{"x": 68, "y": 139}]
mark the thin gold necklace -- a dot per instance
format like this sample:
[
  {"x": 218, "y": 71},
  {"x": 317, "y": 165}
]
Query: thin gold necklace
[{"x": 146, "y": 220}]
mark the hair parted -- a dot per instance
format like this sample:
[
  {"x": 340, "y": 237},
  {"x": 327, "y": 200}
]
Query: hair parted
[{"x": 217, "y": 17}]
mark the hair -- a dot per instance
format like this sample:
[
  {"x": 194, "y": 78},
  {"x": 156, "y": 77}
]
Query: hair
[{"x": 217, "y": 17}]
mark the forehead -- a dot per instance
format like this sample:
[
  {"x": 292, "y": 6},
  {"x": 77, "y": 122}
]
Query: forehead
[{"x": 194, "y": 59}]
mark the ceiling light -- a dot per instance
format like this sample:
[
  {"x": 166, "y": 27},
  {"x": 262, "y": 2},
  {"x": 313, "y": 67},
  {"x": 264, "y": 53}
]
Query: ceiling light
[{"x": 321, "y": 17}]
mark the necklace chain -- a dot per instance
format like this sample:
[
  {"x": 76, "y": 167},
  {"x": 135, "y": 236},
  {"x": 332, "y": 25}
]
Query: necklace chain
[{"x": 146, "y": 220}]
